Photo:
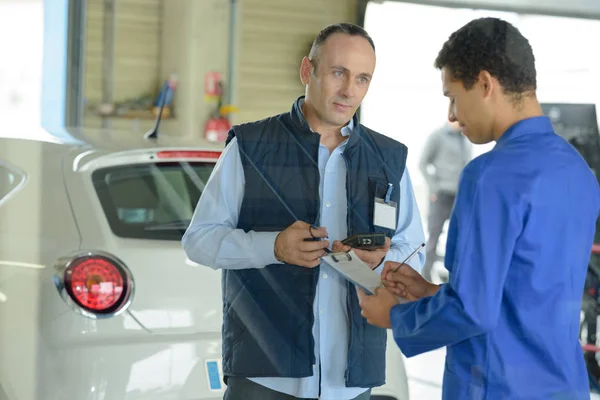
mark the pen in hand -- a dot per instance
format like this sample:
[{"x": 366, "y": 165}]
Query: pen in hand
[
  {"x": 316, "y": 239},
  {"x": 407, "y": 259}
]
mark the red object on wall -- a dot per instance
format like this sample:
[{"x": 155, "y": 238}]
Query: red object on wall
[
  {"x": 212, "y": 85},
  {"x": 216, "y": 129}
]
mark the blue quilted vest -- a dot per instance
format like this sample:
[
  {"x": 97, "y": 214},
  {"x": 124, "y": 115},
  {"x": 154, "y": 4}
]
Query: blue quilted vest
[{"x": 268, "y": 312}]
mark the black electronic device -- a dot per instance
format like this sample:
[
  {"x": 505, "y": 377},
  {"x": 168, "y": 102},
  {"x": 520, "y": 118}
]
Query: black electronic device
[{"x": 365, "y": 241}]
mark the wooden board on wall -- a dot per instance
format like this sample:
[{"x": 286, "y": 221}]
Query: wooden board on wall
[{"x": 274, "y": 35}]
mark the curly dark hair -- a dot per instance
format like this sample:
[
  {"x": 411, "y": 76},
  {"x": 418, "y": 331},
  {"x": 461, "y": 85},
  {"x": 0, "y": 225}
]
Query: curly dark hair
[{"x": 492, "y": 45}]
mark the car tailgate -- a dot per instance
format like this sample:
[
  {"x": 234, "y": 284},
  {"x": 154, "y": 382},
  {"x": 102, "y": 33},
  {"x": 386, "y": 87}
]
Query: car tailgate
[{"x": 137, "y": 205}]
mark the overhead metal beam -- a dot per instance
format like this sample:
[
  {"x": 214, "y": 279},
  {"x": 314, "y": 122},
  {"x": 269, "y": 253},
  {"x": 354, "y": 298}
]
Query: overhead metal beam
[{"x": 588, "y": 9}]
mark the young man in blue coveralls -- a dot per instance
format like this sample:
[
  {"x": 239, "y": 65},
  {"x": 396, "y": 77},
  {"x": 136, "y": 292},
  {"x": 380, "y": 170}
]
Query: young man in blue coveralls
[{"x": 519, "y": 239}]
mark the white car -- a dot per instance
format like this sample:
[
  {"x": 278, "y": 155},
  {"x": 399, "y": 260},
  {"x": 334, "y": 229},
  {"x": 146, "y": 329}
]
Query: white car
[{"x": 97, "y": 298}]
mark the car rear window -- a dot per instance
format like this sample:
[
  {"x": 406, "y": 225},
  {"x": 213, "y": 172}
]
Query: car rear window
[{"x": 151, "y": 201}]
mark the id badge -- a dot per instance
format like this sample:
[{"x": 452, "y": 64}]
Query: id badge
[{"x": 384, "y": 214}]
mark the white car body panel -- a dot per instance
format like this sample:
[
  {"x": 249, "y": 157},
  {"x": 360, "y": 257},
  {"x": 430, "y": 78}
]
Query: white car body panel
[
  {"x": 172, "y": 299},
  {"x": 159, "y": 347}
]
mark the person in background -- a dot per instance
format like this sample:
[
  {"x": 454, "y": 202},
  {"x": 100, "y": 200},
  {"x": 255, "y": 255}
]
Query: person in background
[
  {"x": 444, "y": 156},
  {"x": 292, "y": 326},
  {"x": 519, "y": 240}
]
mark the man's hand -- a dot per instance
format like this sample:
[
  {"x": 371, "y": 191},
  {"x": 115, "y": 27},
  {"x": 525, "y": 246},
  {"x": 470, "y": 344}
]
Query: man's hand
[
  {"x": 376, "y": 308},
  {"x": 370, "y": 257},
  {"x": 406, "y": 282},
  {"x": 291, "y": 248}
]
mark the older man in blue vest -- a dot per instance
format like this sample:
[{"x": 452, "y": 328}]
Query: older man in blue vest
[{"x": 292, "y": 327}]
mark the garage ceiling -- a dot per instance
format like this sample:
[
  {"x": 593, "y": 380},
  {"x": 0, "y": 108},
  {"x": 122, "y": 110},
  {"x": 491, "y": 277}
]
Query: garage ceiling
[{"x": 571, "y": 8}]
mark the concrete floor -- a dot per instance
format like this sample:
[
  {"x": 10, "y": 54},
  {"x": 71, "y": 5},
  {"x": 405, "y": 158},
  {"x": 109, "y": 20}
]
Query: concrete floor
[{"x": 425, "y": 373}]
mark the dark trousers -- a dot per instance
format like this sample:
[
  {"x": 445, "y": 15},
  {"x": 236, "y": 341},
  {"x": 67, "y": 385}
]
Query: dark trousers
[
  {"x": 440, "y": 208},
  {"x": 239, "y": 388}
]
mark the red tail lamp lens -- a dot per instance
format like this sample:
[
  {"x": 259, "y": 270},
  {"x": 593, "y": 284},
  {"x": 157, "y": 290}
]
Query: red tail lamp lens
[{"x": 96, "y": 284}]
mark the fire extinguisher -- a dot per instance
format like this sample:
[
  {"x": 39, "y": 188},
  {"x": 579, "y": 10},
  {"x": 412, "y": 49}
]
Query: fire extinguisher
[{"x": 217, "y": 127}]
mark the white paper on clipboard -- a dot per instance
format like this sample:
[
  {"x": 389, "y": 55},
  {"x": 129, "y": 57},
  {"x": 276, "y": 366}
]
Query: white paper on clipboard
[
  {"x": 356, "y": 271},
  {"x": 352, "y": 268}
]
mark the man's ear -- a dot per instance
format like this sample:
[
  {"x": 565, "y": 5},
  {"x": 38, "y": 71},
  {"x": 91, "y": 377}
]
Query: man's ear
[
  {"x": 487, "y": 83},
  {"x": 306, "y": 69}
]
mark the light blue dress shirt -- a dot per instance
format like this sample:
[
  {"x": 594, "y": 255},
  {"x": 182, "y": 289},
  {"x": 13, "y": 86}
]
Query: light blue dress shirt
[{"x": 213, "y": 240}]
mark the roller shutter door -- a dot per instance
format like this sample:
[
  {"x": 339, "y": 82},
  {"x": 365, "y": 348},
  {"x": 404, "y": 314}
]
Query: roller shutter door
[
  {"x": 273, "y": 37},
  {"x": 137, "y": 37}
]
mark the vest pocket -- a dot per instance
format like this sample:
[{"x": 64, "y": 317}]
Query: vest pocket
[{"x": 380, "y": 187}]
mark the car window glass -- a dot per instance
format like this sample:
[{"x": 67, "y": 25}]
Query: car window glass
[{"x": 151, "y": 201}]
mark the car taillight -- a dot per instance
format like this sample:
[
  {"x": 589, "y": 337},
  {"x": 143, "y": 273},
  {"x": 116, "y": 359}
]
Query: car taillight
[
  {"x": 95, "y": 284},
  {"x": 189, "y": 154}
]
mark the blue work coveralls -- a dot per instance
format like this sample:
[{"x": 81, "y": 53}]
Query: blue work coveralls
[{"x": 518, "y": 247}]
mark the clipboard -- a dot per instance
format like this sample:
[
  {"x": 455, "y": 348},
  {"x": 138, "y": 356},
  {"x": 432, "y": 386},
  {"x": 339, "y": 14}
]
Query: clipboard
[
  {"x": 356, "y": 271},
  {"x": 352, "y": 268}
]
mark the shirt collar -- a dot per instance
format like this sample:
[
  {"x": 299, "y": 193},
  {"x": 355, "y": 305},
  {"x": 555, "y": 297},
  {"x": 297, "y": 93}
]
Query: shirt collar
[
  {"x": 346, "y": 130},
  {"x": 526, "y": 126},
  {"x": 453, "y": 132}
]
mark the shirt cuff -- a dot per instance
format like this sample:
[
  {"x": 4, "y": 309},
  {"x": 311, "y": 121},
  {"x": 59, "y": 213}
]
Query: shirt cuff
[{"x": 263, "y": 244}]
